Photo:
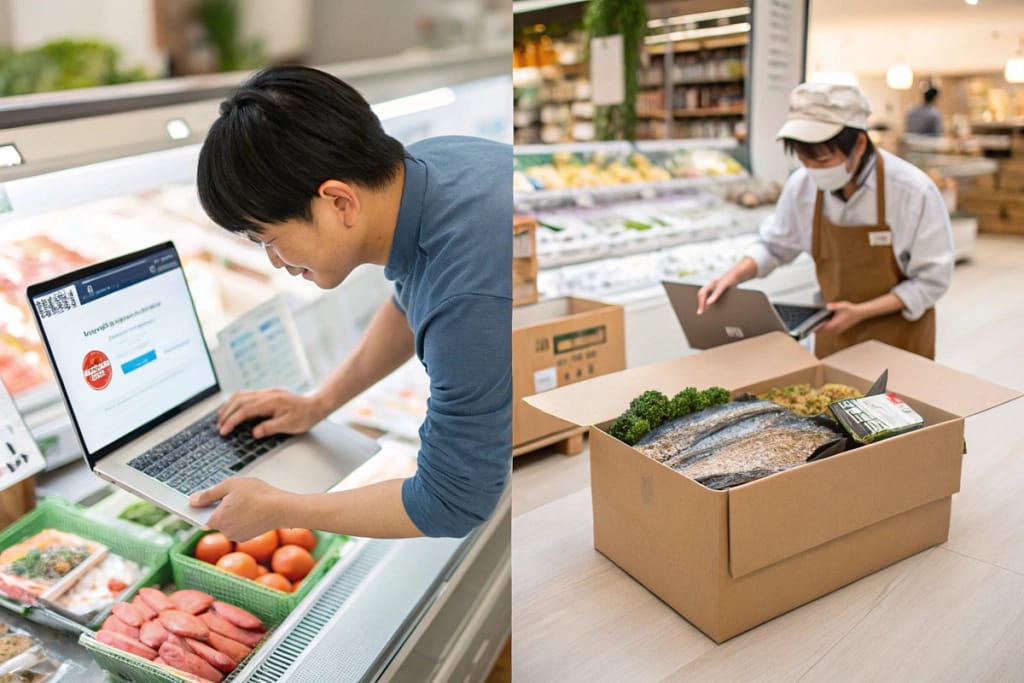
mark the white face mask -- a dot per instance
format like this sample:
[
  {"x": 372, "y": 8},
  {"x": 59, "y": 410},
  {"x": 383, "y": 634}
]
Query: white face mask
[{"x": 831, "y": 178}]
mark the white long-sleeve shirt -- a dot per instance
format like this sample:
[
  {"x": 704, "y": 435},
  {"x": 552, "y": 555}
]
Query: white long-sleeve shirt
[{"x": 922, "y": 238}]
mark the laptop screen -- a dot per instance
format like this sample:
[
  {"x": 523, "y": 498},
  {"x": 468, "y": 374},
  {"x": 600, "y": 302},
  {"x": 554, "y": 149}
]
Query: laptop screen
[{"x": 126, "y": 346}]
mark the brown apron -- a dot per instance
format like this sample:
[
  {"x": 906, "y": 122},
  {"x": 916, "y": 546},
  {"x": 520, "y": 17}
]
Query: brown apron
[{"x": 851, "y": 269}]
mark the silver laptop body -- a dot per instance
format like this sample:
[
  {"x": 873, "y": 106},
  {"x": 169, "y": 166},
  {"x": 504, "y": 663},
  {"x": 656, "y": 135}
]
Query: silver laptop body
[
  {"x": 738, "y": 314},
  {"x": 134, "y": 370}
]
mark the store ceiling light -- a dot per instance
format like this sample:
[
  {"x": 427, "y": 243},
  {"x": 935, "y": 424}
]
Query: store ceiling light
[
  {"x": 697, "y": 33},
  {"x": 971, "y": 2},
  {"x": 424, "y": 101},
  {"x": 699, "y": 16},
  {"x": 1014, "y": 72},
  {"x": 10, "y": 156},
  {"x": 177, "y": 129},
  {"x": 899, "y": 77}
]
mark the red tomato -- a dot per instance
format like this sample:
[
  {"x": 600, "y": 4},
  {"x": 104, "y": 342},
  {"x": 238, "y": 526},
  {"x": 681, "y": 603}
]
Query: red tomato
[
  {"x": 212, "y": 547},
  {"x": 292, "y": 561},
  {"x": 261, "y": 547}
]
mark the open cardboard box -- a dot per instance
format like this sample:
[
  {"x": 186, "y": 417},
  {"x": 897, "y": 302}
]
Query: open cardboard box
[
  {"x": 555, "y": 343},
  {"x": 730, "y": 560}
]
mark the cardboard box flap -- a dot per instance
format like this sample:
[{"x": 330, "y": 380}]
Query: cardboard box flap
[
  {"x": 731, "y": 366},
  {"x": 916, "y": 376},
  {"x": 781, "y": 516}
]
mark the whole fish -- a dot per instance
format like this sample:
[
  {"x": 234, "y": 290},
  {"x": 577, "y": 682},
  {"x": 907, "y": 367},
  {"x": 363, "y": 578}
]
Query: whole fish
[{"x": 674, "y": 437}]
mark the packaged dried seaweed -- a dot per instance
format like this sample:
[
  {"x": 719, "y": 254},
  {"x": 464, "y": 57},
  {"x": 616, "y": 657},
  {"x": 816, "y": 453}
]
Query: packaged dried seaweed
[{"x": 873, "y": 418}]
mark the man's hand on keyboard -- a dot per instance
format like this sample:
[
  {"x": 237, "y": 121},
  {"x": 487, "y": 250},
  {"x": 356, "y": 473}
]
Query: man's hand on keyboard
[
  {"x": 283, "y": 412},
  {"x": 248, "y": 507}
]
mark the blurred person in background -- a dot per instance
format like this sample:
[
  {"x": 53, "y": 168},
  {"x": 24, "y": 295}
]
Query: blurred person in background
[
  {"x": 925, "y": 119},
  {"x": 876, "y": 226}
]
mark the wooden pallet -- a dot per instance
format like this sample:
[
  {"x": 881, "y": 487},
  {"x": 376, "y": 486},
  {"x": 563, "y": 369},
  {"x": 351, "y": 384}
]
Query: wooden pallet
[{"x": 569, "y": 442}]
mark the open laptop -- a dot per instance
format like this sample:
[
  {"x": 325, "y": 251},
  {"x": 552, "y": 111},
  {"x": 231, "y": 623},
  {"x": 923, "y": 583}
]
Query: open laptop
[
  {"x": 139, "y": 384},
  {"x": 738, "y": 314}
]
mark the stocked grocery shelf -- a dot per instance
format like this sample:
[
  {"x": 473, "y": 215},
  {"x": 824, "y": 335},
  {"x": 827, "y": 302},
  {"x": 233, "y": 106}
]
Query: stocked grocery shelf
[
  {"x": 739, "y": 110},
  {"x": 537, "y": 199}
]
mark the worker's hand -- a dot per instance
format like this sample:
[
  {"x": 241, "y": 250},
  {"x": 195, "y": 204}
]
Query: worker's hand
[
  {"x": 285, "y": 412},
  {"x": 844, "y": 316},
  {"x": 714, "y": 289},
  {"x": 248, "y": 507}
]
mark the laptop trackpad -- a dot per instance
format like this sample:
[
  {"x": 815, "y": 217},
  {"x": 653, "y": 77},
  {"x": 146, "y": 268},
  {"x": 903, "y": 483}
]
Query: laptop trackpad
[{"x": 316, "y": 461}]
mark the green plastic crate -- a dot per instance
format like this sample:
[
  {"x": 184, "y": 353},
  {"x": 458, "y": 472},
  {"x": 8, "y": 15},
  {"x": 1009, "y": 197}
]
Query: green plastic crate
[
  {"x": 272, "y": 606},
  {"x": 134, "y": 669},
  {"x": 56, "y": 513}
]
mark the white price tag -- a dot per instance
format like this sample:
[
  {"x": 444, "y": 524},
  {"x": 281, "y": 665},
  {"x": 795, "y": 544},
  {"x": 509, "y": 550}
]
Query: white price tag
[
  {"x": 544, "y": 380},
  {"x": 20, "y": 457}
]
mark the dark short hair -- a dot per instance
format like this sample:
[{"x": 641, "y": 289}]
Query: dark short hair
[
  {"x": 278, "y": 137},
  {"x": 930, "y": 94},
  {"x": 844, "y": 141}
]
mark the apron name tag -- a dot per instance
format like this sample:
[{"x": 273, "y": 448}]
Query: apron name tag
[{"x": 880, "y": 238}]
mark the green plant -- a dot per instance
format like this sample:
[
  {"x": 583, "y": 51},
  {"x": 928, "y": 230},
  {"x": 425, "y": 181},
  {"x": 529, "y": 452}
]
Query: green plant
[
  {"x": 62, "y": 65},
  {"x": 628, "y": 18},
  {"x": 220, "y": 19}
]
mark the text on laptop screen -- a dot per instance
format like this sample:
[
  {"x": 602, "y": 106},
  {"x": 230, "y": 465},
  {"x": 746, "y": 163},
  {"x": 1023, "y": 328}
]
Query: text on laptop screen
[{"x": 126, "y": 344}]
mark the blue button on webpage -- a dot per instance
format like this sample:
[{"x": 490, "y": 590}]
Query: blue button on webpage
[{"x": 138, "y": 362}]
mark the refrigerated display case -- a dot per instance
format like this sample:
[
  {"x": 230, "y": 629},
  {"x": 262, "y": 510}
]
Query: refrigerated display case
[
  {"x": 102, "y": 173},
  {"x": 616, "y": 237}
]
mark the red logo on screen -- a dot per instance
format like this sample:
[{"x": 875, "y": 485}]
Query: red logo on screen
[{"x": 97, "y": 370}]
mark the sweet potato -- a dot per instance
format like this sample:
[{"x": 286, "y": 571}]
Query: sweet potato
[
  {"x": 232, "y": 648},
  {"x": 238, "y": 616},
  {"x": 125, "y": 644},
  {"x": 153, "y": 634},
  {"x": 217, "y": 659},
  {"x": 112, "y": 623},
  {"x": 226, "y": 628},
  {"x": 184, "y": 624},
  {"x": 143, "y": 608},
  {"x": 190, "y": 663},
  {"x": 191, "y": 601},
  {"x": 155, "y": 599},
  {"x": 128, "y": 614}
]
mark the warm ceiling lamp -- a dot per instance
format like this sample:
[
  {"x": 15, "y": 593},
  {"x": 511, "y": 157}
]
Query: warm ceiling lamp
[
  {"x": 899, "y": 77},
  {"x": 1014, "y": 72}
]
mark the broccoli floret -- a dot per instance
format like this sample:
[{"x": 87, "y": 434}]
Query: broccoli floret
[
  {"x": 703, "y": 401},
  {"x": 652, "y": 406},
  {"x": 684, "y": 402},
  {"x": 629, "y": 428},
  {"x": 716, "y": 395}
]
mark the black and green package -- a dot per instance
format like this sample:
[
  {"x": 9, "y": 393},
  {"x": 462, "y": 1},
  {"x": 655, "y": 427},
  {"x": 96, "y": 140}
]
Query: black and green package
[{"x": 872, "y": 418}]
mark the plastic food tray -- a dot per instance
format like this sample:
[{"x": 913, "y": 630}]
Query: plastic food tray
[
  {"x": 139, "y": 670},
  {"x": 56, "y": 513},
  {"x": 272, "y": 606}
]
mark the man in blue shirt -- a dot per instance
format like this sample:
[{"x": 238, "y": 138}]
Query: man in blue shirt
[{"x": 298, "y": 162}]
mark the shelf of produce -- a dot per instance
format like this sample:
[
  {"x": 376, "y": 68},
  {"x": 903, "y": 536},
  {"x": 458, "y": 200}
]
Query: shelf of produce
[{"x": 529, "y": 201}]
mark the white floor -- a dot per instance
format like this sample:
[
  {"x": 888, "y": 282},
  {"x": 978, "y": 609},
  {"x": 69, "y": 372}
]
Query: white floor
[{"x": 964, "y": 601}]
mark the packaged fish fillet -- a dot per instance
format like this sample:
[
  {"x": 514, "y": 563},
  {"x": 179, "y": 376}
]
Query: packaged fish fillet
[{"x": 873, "y": 418}]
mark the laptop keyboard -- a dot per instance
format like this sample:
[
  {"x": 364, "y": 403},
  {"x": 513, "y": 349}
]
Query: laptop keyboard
[
  {"x": 793, "y": 315},
  {"x": 199, "y": 457}
]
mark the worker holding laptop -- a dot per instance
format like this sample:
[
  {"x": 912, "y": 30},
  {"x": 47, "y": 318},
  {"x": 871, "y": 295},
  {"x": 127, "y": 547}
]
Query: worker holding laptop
[
  {"x": 299, "y": 163},
  {"x": 876, "y": 226}
]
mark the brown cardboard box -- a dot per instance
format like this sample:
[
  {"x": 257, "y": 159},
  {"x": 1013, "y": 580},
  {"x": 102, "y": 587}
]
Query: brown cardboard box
[
  {"x": 524, "y": 261},
  {"x": 555, "y": 343},
  {"x": 730, "y": 560}
]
